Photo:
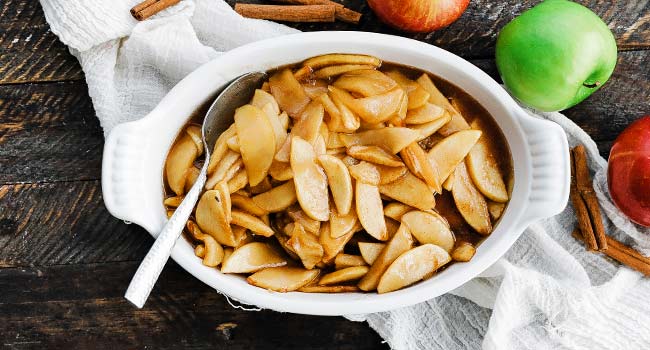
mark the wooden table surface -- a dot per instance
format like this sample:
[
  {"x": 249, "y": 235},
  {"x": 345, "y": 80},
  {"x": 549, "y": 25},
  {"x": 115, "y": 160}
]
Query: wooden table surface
[{"x": 65, "y": 262}]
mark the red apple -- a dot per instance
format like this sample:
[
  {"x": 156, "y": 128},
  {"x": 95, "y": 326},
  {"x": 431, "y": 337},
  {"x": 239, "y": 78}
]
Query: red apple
[
  {"x": 418, "y": 15},
  {"x": 628, "y": 175}
]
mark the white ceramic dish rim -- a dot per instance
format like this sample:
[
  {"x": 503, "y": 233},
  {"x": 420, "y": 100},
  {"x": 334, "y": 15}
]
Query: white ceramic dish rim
[{"x": 134, "y": 155}]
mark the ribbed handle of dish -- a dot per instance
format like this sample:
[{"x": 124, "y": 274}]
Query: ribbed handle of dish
[
  {"x": 550, "y": 167},
  {"x": 124, "y": 169},
  {"x": 149, "y": 270}
]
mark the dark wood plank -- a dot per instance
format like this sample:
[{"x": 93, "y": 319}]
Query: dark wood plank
[
  {"x": 48, "y": 132},
  {"x": 29, "y": 51},
  {"x": 82, "y": 307},
  {"x": 63, "y": 223}
]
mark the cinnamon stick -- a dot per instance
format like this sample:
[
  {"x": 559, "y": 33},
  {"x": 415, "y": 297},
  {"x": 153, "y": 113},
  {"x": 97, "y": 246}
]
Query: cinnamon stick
[
  {"x": 342, "y": 13},
  {"x": 582, "y": 214},
  {"x": 585, "y": 187},
  {"x": 149, "y": 8},
  {"x": 298, "y": 13},
  {"x": 346, "y": 15},
  {"x": 623, "y": 254}
]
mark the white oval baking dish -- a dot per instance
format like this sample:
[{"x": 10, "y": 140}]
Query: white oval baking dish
[{"x": 135, "y": 152}]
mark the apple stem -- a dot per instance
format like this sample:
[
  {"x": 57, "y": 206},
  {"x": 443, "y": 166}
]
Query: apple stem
[{"x": 591, "y": 86}]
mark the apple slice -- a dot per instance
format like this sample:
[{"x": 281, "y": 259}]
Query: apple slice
[
  {"x": 339, "y": 182},
  {"x": 343, "y": 261},
  {"x": 246, "y": 204},
  {"x": 401, "y": 242},
  {"x": 212, "y": 250},
  {"x": 282, "y": 279},
  {"x": 449, "y": 152},
  {"x": 341, "y": 59},
  {"x": 344, "y": 275},
  {"x": 341, "y": 224},
  {"x": 457, "y": 122},
  {"x": 463, "y": 252},
  {"x": 424, "y": 114},
  {"x": 370, "y": 251},
  {"x": 278, "y": 198},
  {"x": 261, "y": 98},
  {"x": 212, "y": 218},
  {"x": 365, "y": 172},
  {"x": 370, "y": 210},
  {"x": 470, "y": 202},
  {"x": 417, "y": 98},
  {"x": 306, "y": 246},
  {"x": 173, "y": 202},
  {"x": 256, "y": 141},
  {"x": 495, "y": 209},
  {"x": 299, "y": 217},
  {"x": 288, "y": 92},
  {"x": 332, "y": 246},
  {"x": 180, "y": 158},
  {"x": 251, "y": 222},
  {"x": 411, "y": 191},
  {"x": 309, "y": 179},
  {"x": 427, "y": 129},
  {"x": 388, "y": 174},
  {"x": 334, "y": 141},
  {"x": 372, "y": 109},
  {"x": 348, "y": 121},
  {"x": 328, "y": 289},
  {"x": 428, "y": 228},
  {"x": 333, "y": 71},
  {"x": 233, "y": 144},
  {"x": 418, "y": 163},
  {"x": 402, "y": 80},
  {"x": 390, "y": 139},
  {"x": 367, "y": 82},
  {"x": 395, "y": 210},
  {"x": 220, "y": 148},
  {"x": 194, "y": 131},
  {"x": 220, "y": 172},
  {"x": 309, "y": 124},
  {"x": 238, "y": 181},
  {"x": 484, "y": 170},
  {"x": 252, "y": 257},
  {"x": 412, "y": 266},
  {"x": 374, "y": 154},
  {"x": 280, "y": 171}
]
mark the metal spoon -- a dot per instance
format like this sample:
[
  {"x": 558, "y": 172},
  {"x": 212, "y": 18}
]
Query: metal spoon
[{"x": 218, "y": 119}]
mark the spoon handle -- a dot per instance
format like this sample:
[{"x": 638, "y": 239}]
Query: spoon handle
[{"x": 145, "y": 277}]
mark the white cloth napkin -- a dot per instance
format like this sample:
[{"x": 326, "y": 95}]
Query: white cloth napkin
[{"x": 546, "y": 293}]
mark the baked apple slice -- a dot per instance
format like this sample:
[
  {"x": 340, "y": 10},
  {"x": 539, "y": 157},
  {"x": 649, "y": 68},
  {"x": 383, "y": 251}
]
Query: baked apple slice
[
  {"x": 412, "y": 266},
  {"x": 449, "y": 152},
  {"x": 390, "y": 139},
  {"x": 470, "y": 202},
  {"x": 370, "y": 210},
  {"x": 283, "y": 279},
  {"x": 309, "y": 179},
  {"x": 256, "y": 142}
]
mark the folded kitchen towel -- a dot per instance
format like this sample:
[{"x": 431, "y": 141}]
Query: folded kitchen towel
[{"x": 547, "y": 292}]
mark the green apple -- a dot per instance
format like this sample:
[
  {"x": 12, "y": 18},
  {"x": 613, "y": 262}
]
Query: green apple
[{"x": 555, "y": 55}]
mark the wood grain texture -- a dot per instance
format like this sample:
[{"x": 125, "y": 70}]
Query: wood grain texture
[
  {"x": 29, "y": 51},
  {"x": 48, "y": 132},
  {"x": 63, "y": 223},
  {"x": 79, "y": 307}
]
